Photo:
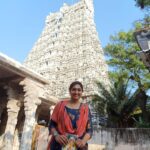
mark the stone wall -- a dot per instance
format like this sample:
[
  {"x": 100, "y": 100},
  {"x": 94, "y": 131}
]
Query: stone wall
[
  {"x": 122, "y": 138},
  {"x": 106, "y": 139}
]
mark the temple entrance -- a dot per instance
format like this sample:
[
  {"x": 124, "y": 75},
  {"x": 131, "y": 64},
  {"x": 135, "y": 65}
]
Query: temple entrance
[
  {"x": 41, "y": 133},
  {"x": 3, "y": 113},
  {"x": 3, "y": 121}
]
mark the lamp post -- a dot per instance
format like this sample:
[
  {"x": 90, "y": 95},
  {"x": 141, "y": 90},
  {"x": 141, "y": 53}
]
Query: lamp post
[{"x": 143, "y": 39}]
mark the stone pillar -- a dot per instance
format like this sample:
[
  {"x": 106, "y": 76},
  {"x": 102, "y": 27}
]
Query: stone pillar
[
  {"x": 31, "y": 101},
  {"x": 12, "y": 109}
]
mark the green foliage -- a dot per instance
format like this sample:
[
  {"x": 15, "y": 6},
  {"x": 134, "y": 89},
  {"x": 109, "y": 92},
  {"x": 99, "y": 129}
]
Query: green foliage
[
  {"x": 143, "y": 23},
  {"x": 142, "y": 124},
  {"x": 130, "y": 78},
  {"x": 117, "y": 102},
  {"x": 122, "y": 58},
  {"x": 143, "y": 4}
]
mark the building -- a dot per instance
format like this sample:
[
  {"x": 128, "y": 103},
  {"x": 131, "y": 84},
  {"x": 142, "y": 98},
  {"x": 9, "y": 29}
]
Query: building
[
  {"x": 69, "y": 49},
  {"x": 24, "y": 103}
]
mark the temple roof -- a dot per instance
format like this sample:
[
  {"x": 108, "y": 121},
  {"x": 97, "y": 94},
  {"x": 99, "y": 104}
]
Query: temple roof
[{"x": 9, "y": 69}]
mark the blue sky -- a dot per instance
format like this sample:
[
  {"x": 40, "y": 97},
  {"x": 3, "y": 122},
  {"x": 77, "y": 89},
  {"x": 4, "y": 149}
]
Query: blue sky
[{"x": 22, "y": 21}]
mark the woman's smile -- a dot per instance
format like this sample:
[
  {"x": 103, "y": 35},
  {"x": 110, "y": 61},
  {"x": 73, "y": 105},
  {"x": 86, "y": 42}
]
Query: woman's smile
[{"x": 76, "y": 96}]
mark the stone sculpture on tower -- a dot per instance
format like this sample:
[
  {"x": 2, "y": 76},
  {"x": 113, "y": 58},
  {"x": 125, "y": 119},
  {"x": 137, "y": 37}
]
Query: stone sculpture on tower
[{"x": 69, "y": 49}]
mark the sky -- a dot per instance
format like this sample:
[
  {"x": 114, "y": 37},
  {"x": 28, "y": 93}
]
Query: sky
[{"x": 22, "y": 21}]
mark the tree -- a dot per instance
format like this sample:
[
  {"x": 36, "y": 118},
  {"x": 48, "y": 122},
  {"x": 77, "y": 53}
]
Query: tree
[
  {"x": 143, "y": 4},
  {"x": 122, "y": 58},
  {"x": 118, "y": 103}
]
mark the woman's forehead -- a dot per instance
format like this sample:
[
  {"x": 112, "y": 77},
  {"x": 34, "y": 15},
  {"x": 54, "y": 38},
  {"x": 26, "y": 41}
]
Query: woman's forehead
[{"x": 76, "y": 86}]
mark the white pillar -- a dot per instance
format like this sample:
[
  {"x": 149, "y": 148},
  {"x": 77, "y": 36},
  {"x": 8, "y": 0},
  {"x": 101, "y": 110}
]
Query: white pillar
[
  {"x": 31, "y": 102},
  {"x": 12, "y": 109}
]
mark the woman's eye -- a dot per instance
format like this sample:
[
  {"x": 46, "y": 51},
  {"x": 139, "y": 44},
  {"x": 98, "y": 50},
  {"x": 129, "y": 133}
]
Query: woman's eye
[{"x": 76, "y": 90}]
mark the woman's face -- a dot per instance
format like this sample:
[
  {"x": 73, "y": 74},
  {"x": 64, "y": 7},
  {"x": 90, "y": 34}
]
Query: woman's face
[{"x": 76, "y": 92}]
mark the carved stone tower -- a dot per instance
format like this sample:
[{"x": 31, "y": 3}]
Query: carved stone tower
[{"x": 69, "y": 49}]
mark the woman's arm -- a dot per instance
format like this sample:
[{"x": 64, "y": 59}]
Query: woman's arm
[
  {"x": 61, "y": 139},
  {"x": 86, "y": 137},
  {"x": 89, "y": 128},
  {"x": 88, "y": 134}
]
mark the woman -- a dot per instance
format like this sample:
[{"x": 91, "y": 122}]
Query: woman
[{"x": 71, "y": 118}]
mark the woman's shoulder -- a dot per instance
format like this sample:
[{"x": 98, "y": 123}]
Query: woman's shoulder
[
  {"x": 62, "y": 102},
  {"x": 59, "y": 105},
  {"x": 85, "y": 105}
]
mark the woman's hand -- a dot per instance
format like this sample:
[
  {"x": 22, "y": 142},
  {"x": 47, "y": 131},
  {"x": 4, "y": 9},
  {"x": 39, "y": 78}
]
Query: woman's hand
[
  {"x": 61, "y": 139},
  {"x": 80, "y": 143}
]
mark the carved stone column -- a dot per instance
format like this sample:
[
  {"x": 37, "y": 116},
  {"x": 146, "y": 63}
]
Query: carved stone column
[
  {"x": 12, "y": 110},
  {"x": 31, "y": 101}
]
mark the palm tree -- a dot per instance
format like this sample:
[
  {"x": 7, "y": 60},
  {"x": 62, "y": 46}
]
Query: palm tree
[{"x": 118, "y": 103}]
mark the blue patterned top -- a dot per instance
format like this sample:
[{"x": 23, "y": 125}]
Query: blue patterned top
[{"x": 74, "y": 116}]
